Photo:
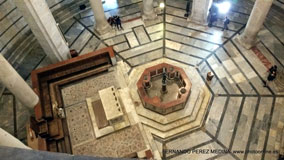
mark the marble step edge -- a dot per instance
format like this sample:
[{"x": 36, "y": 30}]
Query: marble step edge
[
  {"x": 204, "y": 91},
  {"x": 175, "y": 132},
  {"x": 199, "y": 120},
  {"x": 186, "y": 127},
  {"x": 141, "y": 111},
  {"x": 178, "y": 131},
  {"x": 176, "y": 123}
]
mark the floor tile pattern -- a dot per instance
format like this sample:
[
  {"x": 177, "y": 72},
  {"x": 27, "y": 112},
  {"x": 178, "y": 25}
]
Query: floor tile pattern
[{"x": 242, "y": 115}]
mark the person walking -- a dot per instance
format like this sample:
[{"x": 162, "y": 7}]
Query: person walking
[{"x": 226, "y": 22}]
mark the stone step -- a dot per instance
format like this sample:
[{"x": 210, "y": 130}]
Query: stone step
[
  {"x": 169, "y": 118},
  {"x": 174, "y": 132},
  {"x": 185, "y": 127},
  {"x": 178, "y": 122}
]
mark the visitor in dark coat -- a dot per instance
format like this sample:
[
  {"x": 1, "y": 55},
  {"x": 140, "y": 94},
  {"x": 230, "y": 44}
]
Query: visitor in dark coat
[
  {"x": 226, "y": 22},
  {"x": 118, "y": 22}
]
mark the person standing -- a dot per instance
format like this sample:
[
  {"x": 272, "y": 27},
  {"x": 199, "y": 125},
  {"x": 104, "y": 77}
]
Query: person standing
[
  {"x": 273, "y": 68},
  {"x": 188, "y": 7},
  {"x": 213, "y": 15},
  {"x": 213, "y": 18},
  {"x": 226, "y": 22},
  {"x": 111, "y": 21},
  {"x": 271, "y": 76},
  {"x": 118, "y": 22}
]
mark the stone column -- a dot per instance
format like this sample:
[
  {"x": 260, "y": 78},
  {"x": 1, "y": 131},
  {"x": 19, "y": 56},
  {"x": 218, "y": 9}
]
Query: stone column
[
  {"x": 148, "y": 10},
  {"x": 102, "y": 26},
  {"x": 258, "y": 14},
  {"x": 16, "y": 84},
  {"x": 6, "y": 139},
  {"x": 199, "y": 12},
  {"x": 43, "y": 25}
]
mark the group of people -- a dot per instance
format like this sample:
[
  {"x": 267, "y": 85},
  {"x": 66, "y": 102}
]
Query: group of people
[
  {"x": 271, "y": 75},
  {"x": 115, "y": 22}
]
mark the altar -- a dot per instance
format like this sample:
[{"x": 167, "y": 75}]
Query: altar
[{"x": 107, "y": 112}]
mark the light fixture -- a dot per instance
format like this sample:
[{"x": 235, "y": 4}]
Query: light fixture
[
  {"x": 162, "y": 5},
  {"x": 224, "y": 7}
]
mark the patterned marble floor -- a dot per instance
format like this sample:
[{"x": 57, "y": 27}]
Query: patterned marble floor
[{"x": 242, "y": 114}]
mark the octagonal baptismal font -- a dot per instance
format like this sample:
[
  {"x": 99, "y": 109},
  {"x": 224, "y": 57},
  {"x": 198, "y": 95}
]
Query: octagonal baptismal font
[{"x": 164, "y": 88}]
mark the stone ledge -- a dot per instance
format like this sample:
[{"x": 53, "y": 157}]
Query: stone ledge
[
  {"x": 180, "y": 121},
  {"x": 187, "y": 126}
]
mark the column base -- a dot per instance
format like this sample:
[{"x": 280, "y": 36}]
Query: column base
[
  {"x": 103, "y": 30},
  {"x": 247, "y": 44},
  {"x": 151, "y": 16}
]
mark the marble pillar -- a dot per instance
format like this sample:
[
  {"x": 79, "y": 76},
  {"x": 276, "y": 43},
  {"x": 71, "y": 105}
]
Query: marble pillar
[
  {"x": 258, "y": 14},
  {"x": 148, "y": 10},
  {"x": 16, "y": 84},
  {"x": 6, "y": 139},
  {"x": 200, "y": 10},
  {"x": 43, "y": 25},
  {"x": 102, "y": 26}
]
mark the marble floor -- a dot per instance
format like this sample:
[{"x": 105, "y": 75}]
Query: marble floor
[{"x": 242, "y": 114}]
